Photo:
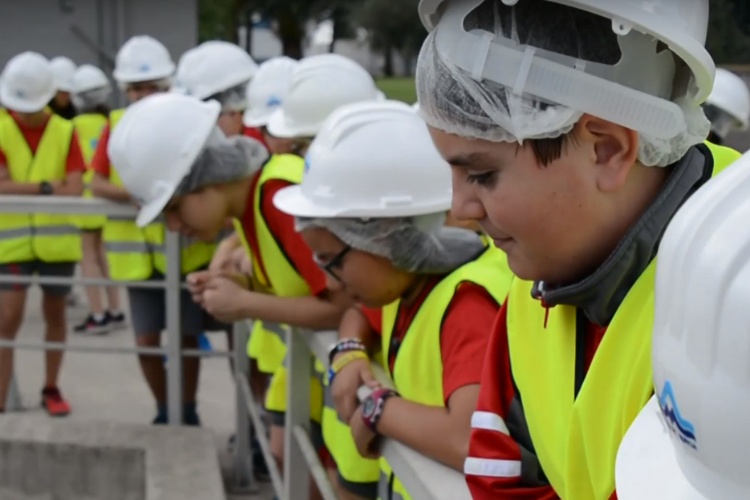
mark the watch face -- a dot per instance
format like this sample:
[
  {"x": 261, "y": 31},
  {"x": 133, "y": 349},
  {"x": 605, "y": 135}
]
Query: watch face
[{"x": 368, "y": 408}]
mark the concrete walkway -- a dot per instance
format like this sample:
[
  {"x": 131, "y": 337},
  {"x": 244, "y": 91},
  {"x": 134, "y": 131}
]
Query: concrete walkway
[{"x": 110, "y": 387}]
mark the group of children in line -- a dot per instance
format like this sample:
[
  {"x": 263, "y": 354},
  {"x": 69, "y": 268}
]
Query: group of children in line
[{"x": 307, "y": 199}]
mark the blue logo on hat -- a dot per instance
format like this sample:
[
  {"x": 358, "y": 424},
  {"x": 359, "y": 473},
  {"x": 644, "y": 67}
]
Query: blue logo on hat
[
  {"x": 273, "y": 101},
  {"x": 677, "y": 423},
  {"x": 20, "y": 94},
  {"x": 144, "y": 68}
]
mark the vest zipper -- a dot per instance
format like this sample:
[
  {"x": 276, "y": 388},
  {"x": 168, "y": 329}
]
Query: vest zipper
[{"x": 390, "y": 486}]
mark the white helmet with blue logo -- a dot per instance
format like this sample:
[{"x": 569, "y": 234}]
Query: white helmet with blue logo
[
  {"x": 267, "y": 91},
  {"x": 691, "y": 441},
  {"x": 143, "y": 59}
]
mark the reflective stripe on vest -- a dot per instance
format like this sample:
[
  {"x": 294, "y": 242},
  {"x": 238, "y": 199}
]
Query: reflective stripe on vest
[
  {"x": 576, "y": 438},
  {"x": 135, "y": 253},
  {"x": 418, "y": 370},
  {"x": 47, "y": 237}
]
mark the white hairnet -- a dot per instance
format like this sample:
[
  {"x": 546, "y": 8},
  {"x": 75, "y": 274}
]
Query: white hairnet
[
  {"x": 419, "y": 244},
  {"x": 450, "y": 99},
  {"x": 232, "y": 99},
  {"x": 224, "y": 161}
]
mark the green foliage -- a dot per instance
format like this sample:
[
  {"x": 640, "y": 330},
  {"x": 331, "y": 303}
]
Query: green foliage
[
  {"x": 400, "y": 89},
  {"x": 727, "y": 42}
]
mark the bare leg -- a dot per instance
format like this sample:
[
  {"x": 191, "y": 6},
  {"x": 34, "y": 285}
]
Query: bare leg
[
  {"x": 90, "y": 268},
  {"x": 53, "y": 307},
  {"x": 11, "y": 316}
]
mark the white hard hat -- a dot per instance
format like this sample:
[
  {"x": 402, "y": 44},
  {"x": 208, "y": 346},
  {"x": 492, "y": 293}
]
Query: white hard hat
[
  {"x": 155, "y": 144},
  {"x": 28, "y": 83},
  {"x": 320, "y": 85},
  {"x": 88, "y": 77},
  {"x": 213, "y": 67},
  {"x": 63, "y": 70},
  {"x": 268, "y": 89},
  {"x": 731, "y": 95},
  {"x": 691, "y": 441},
  {"x": 349, "y": 172},
  {"x": 143, "y": 59},
  {"x": 641, "y": 97}
]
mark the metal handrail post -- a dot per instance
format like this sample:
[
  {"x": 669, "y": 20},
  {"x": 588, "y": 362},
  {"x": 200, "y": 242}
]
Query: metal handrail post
[
  {"x": 13, "y": 401},
  {"x": 242, "y": 477},
  {"x": 174, "y": 329},
  {"x": 299, "y": 364}
]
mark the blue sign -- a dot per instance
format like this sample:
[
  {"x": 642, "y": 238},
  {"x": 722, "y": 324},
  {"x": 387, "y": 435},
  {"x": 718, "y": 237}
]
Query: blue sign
[{"x": 677, "y": 423}]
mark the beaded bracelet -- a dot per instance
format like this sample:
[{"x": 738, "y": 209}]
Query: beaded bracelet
[{"x": 345, "y": 345}]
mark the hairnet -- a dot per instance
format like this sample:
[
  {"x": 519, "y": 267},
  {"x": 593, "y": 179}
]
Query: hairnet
[
  {"x": 232, "y": 99},
  {"x": 224, "y": 161},
  {"x": 419, "y": 244},
  {"x": 89, "y": 100},
  {"x": 451, "y": 99}
]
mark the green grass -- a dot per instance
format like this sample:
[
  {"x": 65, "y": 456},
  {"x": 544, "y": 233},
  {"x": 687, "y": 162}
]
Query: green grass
[{"x": 400, "y": 89}]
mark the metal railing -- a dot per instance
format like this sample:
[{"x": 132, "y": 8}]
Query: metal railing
[
  {"x": 171, "y": 284},
  {"x": 422, "y": 477}
]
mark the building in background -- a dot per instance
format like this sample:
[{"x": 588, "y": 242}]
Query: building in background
[{"x": 91, "y": 31}]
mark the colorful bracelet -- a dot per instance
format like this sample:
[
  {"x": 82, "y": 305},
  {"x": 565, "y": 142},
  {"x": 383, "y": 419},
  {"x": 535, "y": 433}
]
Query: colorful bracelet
[
  {"x": 344, "y": 360},
  {"x": 345, "y": 345}
]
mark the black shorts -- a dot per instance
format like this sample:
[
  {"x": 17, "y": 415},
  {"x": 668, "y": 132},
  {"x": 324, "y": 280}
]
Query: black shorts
[
  {"x": 32, "y": 267},
  {"x": 148, "y": 312}
]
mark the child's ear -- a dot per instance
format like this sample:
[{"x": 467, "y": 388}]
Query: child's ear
[{"x": 615, "y": 150}]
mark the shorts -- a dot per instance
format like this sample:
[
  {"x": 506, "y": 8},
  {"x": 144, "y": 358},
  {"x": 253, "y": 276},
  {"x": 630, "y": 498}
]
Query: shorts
[
  {"x": 148, "y": 312},
  {"x": 40, "y": 268}
]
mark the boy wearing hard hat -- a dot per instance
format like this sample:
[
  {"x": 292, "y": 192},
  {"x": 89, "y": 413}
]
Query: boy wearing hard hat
[
  {"x": 90, "y": 92},
  {"x": 287, "y": 285},
  {"x": 220, "y": 71},
  {"x": 39, "y": 155},
  {"x": 728, "y": 106},
  {"x": 144, "y": 67},
  {"x": 574, "y": 130},
  {"x": 375, "y": 223}
]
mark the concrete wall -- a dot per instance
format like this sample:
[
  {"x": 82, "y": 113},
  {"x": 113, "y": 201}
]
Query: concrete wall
[{"x": 91, "y": 31}]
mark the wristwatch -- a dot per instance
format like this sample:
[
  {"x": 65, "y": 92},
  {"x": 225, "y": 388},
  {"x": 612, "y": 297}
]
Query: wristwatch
[
  {"x": 45, "y": 188},
  {"x": 372, "y": 407}
]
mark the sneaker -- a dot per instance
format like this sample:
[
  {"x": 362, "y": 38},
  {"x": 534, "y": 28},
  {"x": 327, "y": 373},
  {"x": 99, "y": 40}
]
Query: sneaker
[
  {"x": 93, "y": 326},
  {"x": 190, "y": 415},
  {"x": 54, "y": 403},
  {"x": 115, "y": 320},
  {"x": 161, "y": 418}
]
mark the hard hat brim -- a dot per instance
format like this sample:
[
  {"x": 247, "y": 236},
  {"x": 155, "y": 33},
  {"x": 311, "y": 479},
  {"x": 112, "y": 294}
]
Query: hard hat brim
[
  {"x": 290, "y": 200},
  {"x": 13, "y": 103},
  {"x": 250, "y": 119},
  {"x": 278, "y": 127},
  {"x": 647, "y": 465}
]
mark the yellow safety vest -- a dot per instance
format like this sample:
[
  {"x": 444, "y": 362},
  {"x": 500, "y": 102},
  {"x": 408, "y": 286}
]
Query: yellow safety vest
[
  {"x": 47, "y": 237},
  {"x": 576, "y": 438},
  {"x": 266, "y": 345},
  {"x": 418, "y": 370},
  {"x": 134, "y": 253},
  {"x": 89, "y": 128}
]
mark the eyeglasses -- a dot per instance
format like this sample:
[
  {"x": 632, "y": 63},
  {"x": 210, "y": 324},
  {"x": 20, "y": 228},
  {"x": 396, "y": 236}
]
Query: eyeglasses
[{"x": 336, "y": 262}]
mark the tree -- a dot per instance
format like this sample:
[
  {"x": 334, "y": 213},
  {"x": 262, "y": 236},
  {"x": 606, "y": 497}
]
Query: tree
[
  {"x": 726, "y": 41},
  {"x": 393, "y": 25}
]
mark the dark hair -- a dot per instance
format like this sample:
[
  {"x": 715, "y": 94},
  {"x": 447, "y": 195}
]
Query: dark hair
[{"x": 102, "y": 109}]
